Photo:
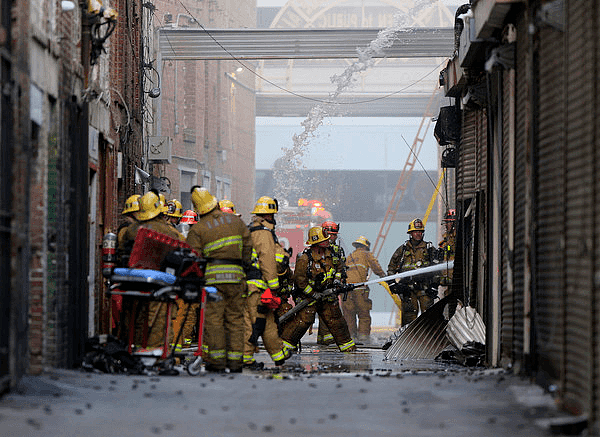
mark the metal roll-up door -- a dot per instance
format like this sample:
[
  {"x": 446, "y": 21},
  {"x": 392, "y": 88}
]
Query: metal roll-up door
[
  {"x": 520, "y": 205},
  {"x": 465, "y": 178},
  {"x": 596, "y": 292},
  {"x": 507, "y": 297},
  {"x": 579, "y": 231},
  {"x": 549, "y": 315},
  {"x": 481, "y": 156}
]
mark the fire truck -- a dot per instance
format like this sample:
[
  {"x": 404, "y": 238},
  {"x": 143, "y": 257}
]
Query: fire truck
[{"x": 293, "y": 223}]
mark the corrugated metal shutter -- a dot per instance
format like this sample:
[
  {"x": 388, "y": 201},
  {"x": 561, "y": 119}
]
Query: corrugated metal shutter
[
  {"x": 549, "y": 212},
  {"x": 580, "y": 95},
  {"x": 596, "y": 290},
  {"x": 520, "y": 190},
  {"x": 507, "y": 298},
  {"x": 465, "y": 171},
  {"x": 481, "y": 150}
]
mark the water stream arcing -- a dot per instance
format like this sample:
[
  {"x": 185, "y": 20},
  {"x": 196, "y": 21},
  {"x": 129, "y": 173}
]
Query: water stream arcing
[{"x": 287, "y": 167}]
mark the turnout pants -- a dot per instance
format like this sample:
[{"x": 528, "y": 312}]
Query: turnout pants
[
  {"x": 190, "y": 322},
  {"x": 410, "y": 306},
  {"x": 358, "y": 305},
  {"x": 223, "y": 341},
  {"x": 251, "y": 303},
  {"x": 329, "y": 313}
]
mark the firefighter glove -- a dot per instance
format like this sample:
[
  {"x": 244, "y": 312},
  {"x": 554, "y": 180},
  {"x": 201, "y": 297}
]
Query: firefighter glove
[{"x": 258, "y": 328}]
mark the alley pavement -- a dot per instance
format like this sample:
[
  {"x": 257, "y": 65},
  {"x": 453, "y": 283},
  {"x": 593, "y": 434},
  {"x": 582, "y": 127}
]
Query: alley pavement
[{"x": 318, "y": 392}]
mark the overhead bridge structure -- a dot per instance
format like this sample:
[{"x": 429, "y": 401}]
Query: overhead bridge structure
[
  {"x": 316, "y": 54},
  {"x": 255, "y": 44}
]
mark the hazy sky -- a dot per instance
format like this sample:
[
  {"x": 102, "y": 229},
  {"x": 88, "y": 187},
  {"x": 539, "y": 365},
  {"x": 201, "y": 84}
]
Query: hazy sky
[{"x": 347, "y": 143}]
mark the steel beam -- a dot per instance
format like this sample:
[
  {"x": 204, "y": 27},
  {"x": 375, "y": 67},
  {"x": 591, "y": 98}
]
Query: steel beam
[
  {"x": 285, "y": 105},
  {"x": 249, "y": 44}
]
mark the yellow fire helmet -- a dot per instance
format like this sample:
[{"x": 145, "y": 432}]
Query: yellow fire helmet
[
  {"x": 265, "y": 205},
  {"x": 132, "y": 204},
  {"x": 362, "y": 241},
  {"x": 227, "y": 205},
  {"x": 203, "y": 201},
  {"x": 416, "y": 225},
  {"x": 163, "y": 203},
  {"x": 150, "y": 207},
  {"x": 175, "y": 208},
  {"x": 316, "y": 235}
]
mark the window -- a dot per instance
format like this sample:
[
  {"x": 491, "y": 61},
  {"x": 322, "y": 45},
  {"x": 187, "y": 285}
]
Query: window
[
  {"x": 223, "y": 188},
  {"x": 187, "y": 180}
]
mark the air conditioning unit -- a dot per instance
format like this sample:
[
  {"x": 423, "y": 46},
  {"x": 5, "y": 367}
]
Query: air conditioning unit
[
  {"x": 448, "y": 126},
  {"x": 159, "y": 149},
  {"x": 471, "y": 51}
]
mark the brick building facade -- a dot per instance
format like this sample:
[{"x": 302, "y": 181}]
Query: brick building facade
[
  {"x": 70, "y": 135},
  {"x": 207, "y": 110}
]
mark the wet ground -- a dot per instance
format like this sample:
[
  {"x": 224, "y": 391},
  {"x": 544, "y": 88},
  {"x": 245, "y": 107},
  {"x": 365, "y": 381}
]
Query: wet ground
[{"x": 319, "y": 392}]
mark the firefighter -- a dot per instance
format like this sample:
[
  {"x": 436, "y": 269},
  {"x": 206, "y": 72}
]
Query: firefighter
[
  {"x": 315, "y": 271},
  {"x": 187, "y": 314},
  {"x": 413, "y": 254},
  {"x": 151, "y": 216},
  {"x": 224, "y": 240},
  {"x": 174, "y": 210},
  {"x": 358, "y": 303},
  {"x": 324, "y": 337},
  {"x": 263, "y": 292},
  {"x": 446, "y": 249},
  {"x": 227, "y": 205},
  {"x": 132, "y": 204},
  {"x": 189, "y": 218}
]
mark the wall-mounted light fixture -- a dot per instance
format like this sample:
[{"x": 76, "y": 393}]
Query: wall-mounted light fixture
[{"x": 67, "y": 5}]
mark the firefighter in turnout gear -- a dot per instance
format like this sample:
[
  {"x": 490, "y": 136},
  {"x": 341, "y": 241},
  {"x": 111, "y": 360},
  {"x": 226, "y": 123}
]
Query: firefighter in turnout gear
[
  {"x": 358, "y": 303},
  {"x": 413, "y": 254},
  {"x": 263, "y": 293},
  {"x": 151, "y": 216},
  {"x": 446, "y": 250},
  {"x": 224, "y": 240},
  {"x": 174, "y": 211},
  {"x": 132, "y": 204},
  {"x": 324, "y": 337},
  {"x": 315, "y": 272}
]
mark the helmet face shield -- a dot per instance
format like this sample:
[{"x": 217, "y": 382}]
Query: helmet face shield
[{"x": 416, "y": 225}]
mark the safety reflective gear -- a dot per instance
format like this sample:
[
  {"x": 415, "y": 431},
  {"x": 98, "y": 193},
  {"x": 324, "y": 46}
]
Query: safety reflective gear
[
  {"x": 266, "y": 205},
  {"x": 174, "y": 208},
  {"x": 227, "y": 205},
  {"x": 150, "y": 207},
  {"x": 450, "y": 215},
  {"x": 163, "y": 202},
  {"x": 316, "y": 235},
  {"x": 362, "y": 241},
  {"x": 132, "y": 204},
  {"x": 189, "y": 217},
  {"x": 331, "y": 226},
  {"x": 203, "y": 201},
  {"x": 415, "y": 225}
]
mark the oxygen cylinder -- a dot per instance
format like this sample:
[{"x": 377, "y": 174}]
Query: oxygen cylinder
[{"x": 109, "y": 254}]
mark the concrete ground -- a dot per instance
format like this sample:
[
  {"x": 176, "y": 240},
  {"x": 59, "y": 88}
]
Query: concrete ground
[{"x": 319, "y": 392}]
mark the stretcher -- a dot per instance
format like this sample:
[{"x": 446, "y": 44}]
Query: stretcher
[{"x": 162, "y": 269}]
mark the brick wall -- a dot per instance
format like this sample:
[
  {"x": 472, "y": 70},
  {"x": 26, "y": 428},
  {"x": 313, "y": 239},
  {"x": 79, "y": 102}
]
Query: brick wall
[{"x": 199, "y": 110}]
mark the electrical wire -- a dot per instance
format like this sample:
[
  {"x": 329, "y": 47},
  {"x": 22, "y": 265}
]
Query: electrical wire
[
  {"x": 327, "y": 102},
  {"x": 426, "y": 174}
]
